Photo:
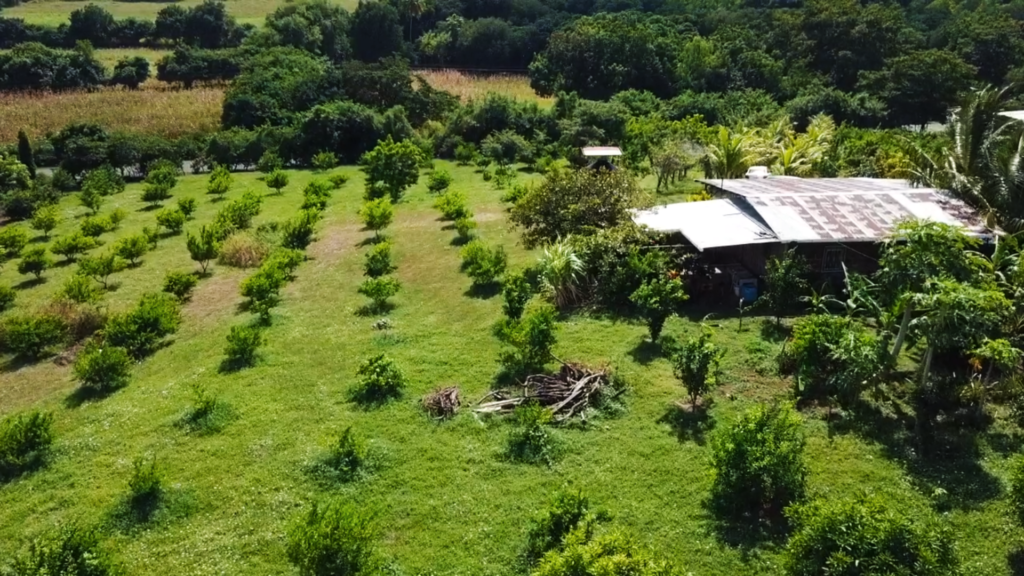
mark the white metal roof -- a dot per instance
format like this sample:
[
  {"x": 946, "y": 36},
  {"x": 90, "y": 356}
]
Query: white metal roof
[
  {"x": 1015, "y": 114},
  {"x": 707, "y": 224},
  {"x": 602, "y": 151}
]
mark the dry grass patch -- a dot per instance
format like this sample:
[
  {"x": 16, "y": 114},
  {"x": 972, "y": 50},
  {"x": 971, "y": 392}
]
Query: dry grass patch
[
  {"x": 468, "y": 86},
  {"x": 155, "y": 110},
  {"x": 55, "y": 12}
]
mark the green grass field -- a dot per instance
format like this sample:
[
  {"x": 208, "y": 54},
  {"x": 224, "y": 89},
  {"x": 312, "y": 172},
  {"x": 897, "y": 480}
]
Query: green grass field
[
  {"x": 448, "y": 504},
  {"x": 54, "y": 12}
]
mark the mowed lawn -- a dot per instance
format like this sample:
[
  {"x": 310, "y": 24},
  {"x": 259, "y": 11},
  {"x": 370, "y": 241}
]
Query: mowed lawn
[
  {"x": 56, "y": 12},
  {"x": 446, "y": 502}
]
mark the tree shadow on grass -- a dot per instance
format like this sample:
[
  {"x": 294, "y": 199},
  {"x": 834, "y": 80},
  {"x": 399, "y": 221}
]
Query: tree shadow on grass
[
  {"x": 150, "y": 207},
  {"x": 688, "y": 423},
  {"x": 646, "y": 351},
  {"x": 773, "y": 332},
  {"x": 483, "y": 291},
  {"x": 461, "y": 240},
  {"x": 371, "y": 241},
  {"x": 82, "y": 395},
  {"x": 208, "y": 420},
  {"x": 29, "y": 283},
  {"x": 63, "y": 263},
  {"x": 369, "y": 310},
  {"x": 15, "y": 363},
  {"x": 131, "y": 515},
  {"x": 746, "y": 533},
  {"x": 232, "y": 365}
]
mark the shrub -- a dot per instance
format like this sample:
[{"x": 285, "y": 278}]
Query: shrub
[
  {"x": 452, "y": 205},
  {"x": 657, "y": 300},
  {"x": 132, "y": 248},
  {"x": 465, "y": 153},
  {"x": 377, "y": 214},
  {"x": 100, "y": 268},
  {"x": 204, "y": 247},
  {"x": 12, "y": 240},
  {"x": 243, "y": 346},
  {"x": 337, "y": 180},
  {"x": 611, "y": 553},
  {"x": 378, "y": 260},
  {"x": 297, "y": 233},
  {"x": 832, "y": 358},
  {"x": 277, "y": 180},
  {"x": 145, "y": 487},
  {"x": 347, "y": 457},
  {"x": 180, "y": 284},
  {"x": 34, "y": 261},
  {"x": 171, "y": 219},
  {"x": 103, "y": 181},
  {"x": 484, "y": 265},
  {"x": 486, "y": 174},
  {"x": 73, "y": 245},
  {"x": 568, "y": 511},
  {"x": 324, "y": 161},
  {"x": 103, "y": 369},
  {"x": 696, "y": 365},
  {"x": 95, "y": 226},
  {"x": 504, "y": 176},
  {"x": 263, "y": 290},
  {"x": 867, "y": 535},
  {"x": 284, "y": 260},
  {"x": 1017, "y": 487},
  {"x": 155, "y": 193},
  {"x": 80, "y": 289},
  {"x": 140, "y": 330},
  {"x": 187, "y": 206},
  {"x": 220, "y": 181},
  {"x": 33, "y": 336},
  {"x": 530, "y": 440},
  {"x": 45, "y": 220},
  {"x": 116, "y": 216},
  {"x": 243, "y": 250},
  {"x": 315, "y": 195},
  {"x": 334, "y": 539},
  {"x": 392, "y": 166},
  {"x": 380, "y": 380},
  {"x": 25, "y": 441},
  {"x": 379, "y": 290},
  {"x": 529, "y": 340},
  {"x": 238, "y": 214},
  {"x": 7, "y": 297},
  {"x": 515, "y": 193},
  {"x": 464, "y": 228},
  {"x": 758, "y": 464},
  {"x": 70, "y": 551},
  {"x": 92, "y": 200},
  {"x": 269, "y": 163},
  {"x": 516, "y": 292},
  {"x": 438, "y": 181}
]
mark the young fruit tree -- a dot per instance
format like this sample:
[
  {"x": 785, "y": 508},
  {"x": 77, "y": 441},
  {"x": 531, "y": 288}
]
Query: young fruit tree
[
  {"x": 392, "y": 166},
  {"x": 697, "y": 365},
  {"x": 657, "y": 300},
  {"x": 34, "y": 261},
  {"x": 785, "y": 284},
  {"x": 204, "y": 247},
  {"x": 277, "y": 180},
  {"x": 45, "y": 219},
  {"x": 377, "y": 214}
]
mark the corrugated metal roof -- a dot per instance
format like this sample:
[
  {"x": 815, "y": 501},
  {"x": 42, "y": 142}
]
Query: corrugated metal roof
[
  {"x": 794, "y": 185},
  {"x": 1015, "y": 114},
  {"x": 602, "y": 151},
  {"x": 707, "y": 224}
]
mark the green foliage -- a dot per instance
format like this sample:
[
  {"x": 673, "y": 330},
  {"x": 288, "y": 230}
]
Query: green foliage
[
  {"x": 347, "y": 457},
  {"x": 569, "y": 511},
  {"x": 514, "y": 194},
  {"x": 438, "y": 181},
  {"x": 180, "y": 284},
  {"x": 145, "y": 486},
  {"x": 561, "y": 272},
  {"x": 238, "y": 214},
  {"x": 187, "y": 206},
  {"x": 69, "y": 551},
  {"x": 104, "y": 181},
  {"x": 96, "y": 226},
  {"x": 155, "y": 192},
  {"x": 269, "y": 163},
  {"x": 92, "y": 200},
  {"x": 334, "y": 539},
  {"x": 380, "y": 380},
  {"x": 324, "y": 161},
  {"x": 657, "y": 300},
  {"x": 758, "y": 464},
  {"x": 34, "y": 261},
  {"x": 80, "y": 289},
  {"x": 140, "y": 330},
  {"x": 530, "y": 441},
  {"x": 103, "y": 369},
  {"x": 377, "y": 214},
  {"x": 297, "y": 233},
  {"x": 45, "y": 219},
  {"x": 243, "y": 250},
  {"x": 278, "y": 180},
  {"x": 575, "y": 202},
  {"x": 611, "y": 554},
  {"x": 394, "y": 166},
  {"x": 32, "y": 336},
  {"x": 465, "y": 153},
  {"x": 832, "y": 358},
  {"x": 865, "y": 536},
  {"x": 12, "y": 240},
  {"x": 99, "y": 268},
  {"x": 243, "y": 346},
  {"x": 132, "y": 248},
  {"x": 315, "y": 195},
  {"x": 785, "y": 283},
  {"x": 115, "y": 217},
  {"x": 379, "y": 290},
  {"x": 204, "y": 247},
  {"x": 219, "y": 186},
  {"x": 130, "y": 72},
  {"x": 171, "y": 219},
  {"x": 378, "y": 260},
  {"x": 7, "y": 297},
  {"x": 263, "y": 289},
  {"x": 452, "y": 205},
  {"x": 72, "y": 245},
  {"x": 482, "y": 264},
  {"x": 1016, "y": 491},
  {"x": 697, "y": 365},
  {"x": 25, "y": 441},
  {"x": 529, "y": 340}
]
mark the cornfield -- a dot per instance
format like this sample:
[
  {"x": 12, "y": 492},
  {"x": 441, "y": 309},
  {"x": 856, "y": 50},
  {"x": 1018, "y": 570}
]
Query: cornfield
[{"x": 469, "y": 86}]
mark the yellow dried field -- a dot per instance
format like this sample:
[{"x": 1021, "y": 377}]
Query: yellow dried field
[{"x": 468, "y": 86}]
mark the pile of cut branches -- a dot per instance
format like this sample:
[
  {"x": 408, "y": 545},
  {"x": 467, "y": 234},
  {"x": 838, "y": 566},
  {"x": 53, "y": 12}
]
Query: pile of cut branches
[
  {"x": 566, "y": 394},
  {"x": 443, "y": 402}
]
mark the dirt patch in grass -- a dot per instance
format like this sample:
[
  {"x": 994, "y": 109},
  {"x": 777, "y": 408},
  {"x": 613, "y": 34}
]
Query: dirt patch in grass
[
  {"x": 335, "y": 243},
  {"x": 215, "y": 297}
]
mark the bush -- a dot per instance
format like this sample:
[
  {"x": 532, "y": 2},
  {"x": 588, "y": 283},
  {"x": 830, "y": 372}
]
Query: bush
[
  {"x": 187, "y": 206},
  {"x": 95, "y": 226},
  {"x": 315, "y": 196},
  {"x": 379, "y": 290},
  {"x": 140, "y": 330},
  {"x": 73, "y": 245},
  {"x": 657, "y": 300},
  {"x": 514, "y": 194},
  {"x": 155, "y": 193},
  {"x": 611, "y": 553},
  {"x": 103, "y": 369},
  {"x": 145, "y": 487},
  {"x": 438, "y": 181},
  {"x": 297, "y": 233},
  {"x": 324, "y": 161},
  {"x": 378, "y": 260},
  {"x": 270, "y": 163},
  {"x": 103, "y": 181},
  {"x": 334, "y": 539},
  {"x": 238, "y": 214},
  {"x": 92, "y": 200},
  {"x": 45, "y": 219},
  {"x": 465, "y": 153},
  {"x": 348, "y": 457},
  {"x": 484, "y": 265},
  {"x": 530, "y": 440},
  {"x": 243, "y": 346},
  {"x": 100, "y": 268},
  {"x": 13, "y": 240},
  {"x": 132, "y": 248},
  {"x": 171, "y": 219},
  {"x": 696, "y": 365},
  {"x": 32, "y": 336},
  {"x": 219, "y": 186},
  {"x": 243, "y": 250},
  {"x": 392, "y": 166},
  {"x": 867, "y": 535},
  {"x": 486, "y": 174},
  {"x": 204, "y": 247},
  {"x": 25, "y": 441},
  {"x": 529, "y": 340},
  {"x": 115, "y": 217},
  {"x": 464, "y": 228},
  {"x": 285, "y": 260},
  {"x": 377, "y": 214},
  {"x": 380, "y": 380},
  {"x": 34, "y": 261},
  {"x": 758, "y": 464},
  {"x": 1017, "y": 487},
  {"x": 516, "y": 292},
  {"x": 80, "y": 320},
  {"x": 263, "y": 290},
  {"x": 337, "y": 180},
  {"x": 70, "y": 551},
  {"x": 180, "y": 284},
  {"x": 7, "y": 297},
  {"x": 80, "y": 289},
  {"x": 277, "y": 180},
  {"x": 452, "y": 205},
  {"x": 832, "y": 359},
  {"x": 568, "y": 511}
]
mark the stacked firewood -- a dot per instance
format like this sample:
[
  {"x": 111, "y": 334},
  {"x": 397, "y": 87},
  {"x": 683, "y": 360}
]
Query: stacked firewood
[
  {"x": 568, "y": 393},
  {"x": 443, "y": 402}
]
